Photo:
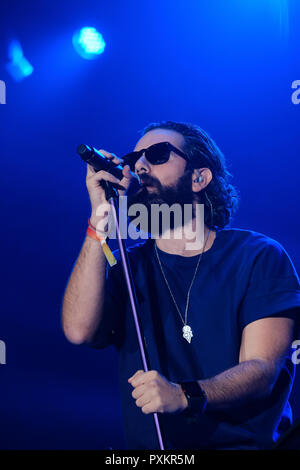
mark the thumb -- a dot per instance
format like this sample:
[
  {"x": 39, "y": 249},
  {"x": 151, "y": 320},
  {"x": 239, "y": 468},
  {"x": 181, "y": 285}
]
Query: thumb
[{"x": 126, "y": 172}]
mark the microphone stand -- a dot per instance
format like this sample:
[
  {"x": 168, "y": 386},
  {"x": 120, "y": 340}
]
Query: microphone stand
[{"x": 112, "y": 197}]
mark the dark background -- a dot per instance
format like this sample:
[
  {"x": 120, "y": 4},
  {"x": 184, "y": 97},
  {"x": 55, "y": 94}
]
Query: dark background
[{"x": 225, "y": 65}]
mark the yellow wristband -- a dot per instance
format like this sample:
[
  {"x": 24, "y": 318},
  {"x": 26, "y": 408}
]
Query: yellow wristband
[{"x": 106, "y": 250}]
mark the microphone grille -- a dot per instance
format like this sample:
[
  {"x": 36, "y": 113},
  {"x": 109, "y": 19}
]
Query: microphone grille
[{"x": 82, "y": 149}]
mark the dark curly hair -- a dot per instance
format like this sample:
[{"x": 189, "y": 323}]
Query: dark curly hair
[{"x": 204, "y": 153}]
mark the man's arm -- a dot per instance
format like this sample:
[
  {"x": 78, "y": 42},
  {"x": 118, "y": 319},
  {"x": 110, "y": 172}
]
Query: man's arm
[
  {"x": 264, "y": 347},
  {"x": 84, "y": 295}
]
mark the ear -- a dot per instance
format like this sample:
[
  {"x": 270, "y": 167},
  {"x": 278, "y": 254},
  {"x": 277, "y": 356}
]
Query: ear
[{"x": 200, "y": 179}]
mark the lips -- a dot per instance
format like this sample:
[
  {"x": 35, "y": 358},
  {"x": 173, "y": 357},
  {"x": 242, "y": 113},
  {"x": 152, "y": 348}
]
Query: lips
[{"x": 148, "y": 182}]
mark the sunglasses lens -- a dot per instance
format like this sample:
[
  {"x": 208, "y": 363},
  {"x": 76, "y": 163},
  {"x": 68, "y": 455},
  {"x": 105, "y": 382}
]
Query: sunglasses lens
[{"x": 158, "y": 153}]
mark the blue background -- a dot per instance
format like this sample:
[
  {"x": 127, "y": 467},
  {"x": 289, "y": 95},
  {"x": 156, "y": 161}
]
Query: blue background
[{"x": 227, "y": 66}]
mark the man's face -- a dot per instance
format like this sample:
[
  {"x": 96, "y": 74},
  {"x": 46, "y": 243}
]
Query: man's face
[{"x": 168, "y": 183}]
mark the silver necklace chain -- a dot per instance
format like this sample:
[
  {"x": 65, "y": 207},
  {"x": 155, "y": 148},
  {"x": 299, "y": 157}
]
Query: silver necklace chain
[{"x": 187, "y": 331}]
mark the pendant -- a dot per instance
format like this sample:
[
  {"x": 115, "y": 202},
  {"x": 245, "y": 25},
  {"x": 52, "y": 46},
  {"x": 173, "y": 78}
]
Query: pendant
[{"x": 187, "y": 333}]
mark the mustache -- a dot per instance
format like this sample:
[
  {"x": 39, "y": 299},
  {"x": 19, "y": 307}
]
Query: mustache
[{"x": 149, "y": 180}]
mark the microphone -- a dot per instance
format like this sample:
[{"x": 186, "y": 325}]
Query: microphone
[{"x": 98, "y": 161}]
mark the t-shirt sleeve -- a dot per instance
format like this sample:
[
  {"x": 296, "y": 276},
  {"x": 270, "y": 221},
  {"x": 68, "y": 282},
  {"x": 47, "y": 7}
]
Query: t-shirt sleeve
[
  {"x": 110, "y": 327},
  {"x": 273, "y": 287}
]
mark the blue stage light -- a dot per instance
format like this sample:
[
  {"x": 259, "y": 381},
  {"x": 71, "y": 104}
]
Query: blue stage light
[
  {"x": 18, "y": 67},
  {"x": 88, "y": 42}
]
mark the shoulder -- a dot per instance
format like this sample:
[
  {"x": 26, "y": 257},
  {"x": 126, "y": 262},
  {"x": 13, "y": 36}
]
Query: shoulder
[
  {"x": 251, "y": 241},
  {"x": 258, "y": 251}
]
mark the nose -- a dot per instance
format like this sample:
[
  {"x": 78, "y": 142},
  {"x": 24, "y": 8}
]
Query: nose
[{"x": 142, "y": 165}]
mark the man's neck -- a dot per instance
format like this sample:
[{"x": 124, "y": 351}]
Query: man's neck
[{"x": 180, "y": 246}]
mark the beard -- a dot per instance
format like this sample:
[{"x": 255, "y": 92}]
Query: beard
[{"x": 181, "y": 194}]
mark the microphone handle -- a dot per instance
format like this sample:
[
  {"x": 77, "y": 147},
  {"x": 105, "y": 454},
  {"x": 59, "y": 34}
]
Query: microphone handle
[{"x": 98, "y": 161}]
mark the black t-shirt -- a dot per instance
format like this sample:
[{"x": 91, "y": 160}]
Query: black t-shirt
[{"x": 243, "y": 277}]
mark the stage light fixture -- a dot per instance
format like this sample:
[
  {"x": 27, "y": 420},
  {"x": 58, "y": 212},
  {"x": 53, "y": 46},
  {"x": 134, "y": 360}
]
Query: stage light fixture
[
  {"x": 88, "y": 42},
  {"x": 18, "y": 67}
]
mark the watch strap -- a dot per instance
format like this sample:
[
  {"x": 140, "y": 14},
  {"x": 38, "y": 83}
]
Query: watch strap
[{"x": 195, "y": 396}]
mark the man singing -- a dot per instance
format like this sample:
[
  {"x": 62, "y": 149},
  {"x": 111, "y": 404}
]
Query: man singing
[{"x": 218, "y": 321}]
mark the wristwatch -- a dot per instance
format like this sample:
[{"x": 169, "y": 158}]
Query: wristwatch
[{"x": 196, "y": 398}]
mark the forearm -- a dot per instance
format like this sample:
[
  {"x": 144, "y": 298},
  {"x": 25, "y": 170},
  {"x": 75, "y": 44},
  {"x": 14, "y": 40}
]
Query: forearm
[
  {"x": 246, "y": 382},
  {"x": 84, "y": 294}
]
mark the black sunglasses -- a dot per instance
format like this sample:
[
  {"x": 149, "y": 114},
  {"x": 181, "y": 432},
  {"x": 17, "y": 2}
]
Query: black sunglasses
[{"x": 156, "y": 154}]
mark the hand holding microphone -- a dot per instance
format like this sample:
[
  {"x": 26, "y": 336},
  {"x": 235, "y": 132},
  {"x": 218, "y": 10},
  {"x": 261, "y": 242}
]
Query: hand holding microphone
[{"x": 95, "y": 175}]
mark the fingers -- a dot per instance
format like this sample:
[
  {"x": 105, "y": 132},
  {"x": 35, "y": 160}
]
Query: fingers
[
  {"x": 128, "y": 180},
  {"x": 126, "y": 172},
  {"x": 134, "y": 376},
  {"x": 102, "y": 175},
  {"x": 150, "y": 407},
  {"x": 153, "y": 393},
  {"x": 144, "y": 402},
  {"x": 141, "y": 377},
  {"x": 139, "y": 391},
  {"x": 111, "y": 156},
  {"x": 145, "y": 398}
]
